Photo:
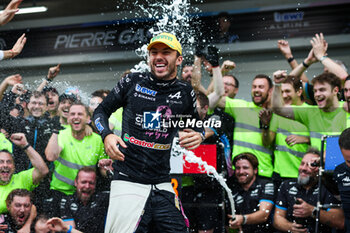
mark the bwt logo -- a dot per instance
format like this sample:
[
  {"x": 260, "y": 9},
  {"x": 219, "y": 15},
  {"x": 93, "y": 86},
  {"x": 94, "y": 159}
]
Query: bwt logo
[
  {"x": 145, "y": 90},
  {"x": 288, "y": 17},
  {"x": 151, "y": 120}
]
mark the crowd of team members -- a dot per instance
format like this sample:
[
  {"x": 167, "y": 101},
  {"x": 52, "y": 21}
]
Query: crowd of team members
[
  {"x": 48, "y": 146},
  {"x": 281, "y": 127}
]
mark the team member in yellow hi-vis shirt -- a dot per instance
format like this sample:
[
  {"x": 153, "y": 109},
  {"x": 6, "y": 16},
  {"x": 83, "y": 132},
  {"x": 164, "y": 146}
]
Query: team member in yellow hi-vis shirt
[
  {"x": 5, "y": 144},
  {"x": 115, "y": 121},
  {"x": 320, "y": 119},
  {"x": 72, "y": 149},
  {"x": 347, "y": 100},
  {"x": 327, "y": 118},
  {"x": 288, "y": 138},
  {"x": 27, "y": 179},
  {"x": 247, "y": 132}
]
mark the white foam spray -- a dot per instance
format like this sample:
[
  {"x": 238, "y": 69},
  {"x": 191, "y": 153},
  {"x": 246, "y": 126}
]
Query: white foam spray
[
  {"x": 173, "y": 18},
  {"x": 210, "y": 170}
]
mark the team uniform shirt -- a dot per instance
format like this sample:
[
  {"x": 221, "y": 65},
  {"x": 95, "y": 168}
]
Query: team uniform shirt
[
  {"x": 5, "y": 144},
  {"x": 89, "y": 218},
  {"x": 319, "y": 122},
  {"x": 228, "y": 123},
  {"x": 288, "y": 158},
  {"x": 75, "y": 154},
  {"x": 153, "y": 112},
  {"x": 22, "y": 180},
  {"x": 341, "y": 176},
  {"x": 247, "y": 202},
  {"x": 39, "y": 131},
  {"x": 247, "y": 133},
  {"x": 290, "y": 190}
]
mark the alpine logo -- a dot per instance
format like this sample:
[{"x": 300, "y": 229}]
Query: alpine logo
[
  {"x": 346, "y": 181},
  {"x": 177, "y": 95}
]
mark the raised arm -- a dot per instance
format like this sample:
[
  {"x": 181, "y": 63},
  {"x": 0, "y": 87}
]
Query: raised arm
[
  {"x": 53, "y": 150},
  {"x": 319, "y": 46},
  {"x": 16, "y": 49},
  {"x": 197, "y": 76},
  {"x": 226, "y": 67},
  {"x": 213, "y": 59},
  {"x": 40, "y": 168},
  {"x": 268, "y": 136},
  {"x": 9, "y": 81},
  {"x": 9, "y": 12},
  {"x": 277, "y": 100},
  {"x": 297, "y": 71},
  {"x": 52, "y": 73},
  {"x": 286, "y": 51}
]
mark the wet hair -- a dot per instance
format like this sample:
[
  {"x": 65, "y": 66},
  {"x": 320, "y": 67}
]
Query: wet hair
[
  {"x": 203, "y": 99},
  {"x": 329, "y": 78},
  {"x": 39, "y": 94},
  {"x": 20, "y": 193},
  {"x": 8, "y": 152},
  {"x": 347, "y": 78},
  {"x": 344, "y": 139},
  {"x": 86, "y": 169},
  {"x": 48, "y": 89},
  {"x": 69, "y": 96},
  {"x": 295, "y": 82},
  {"x": 236, "y": 80},
  {"x": 100, "y": 93},
  {"x": 313, "y": 150},
  {"x": 247, "y": 156},
  {"x": 125, "y": 73},
  {"x": 40, "y": 217},
  {"x": 81, "y": 104},
  {"x": 264, "y": 76}
]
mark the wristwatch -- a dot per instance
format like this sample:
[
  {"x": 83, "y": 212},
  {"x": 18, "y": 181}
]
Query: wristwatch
[
  {"x": 244, "y": 220},
  {"x": 203, "y": 135}
]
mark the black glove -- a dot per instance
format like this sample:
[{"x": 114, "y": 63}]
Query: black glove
[
  {"x": 213, "y": 55},
  {"x": 200, "y": 50}
]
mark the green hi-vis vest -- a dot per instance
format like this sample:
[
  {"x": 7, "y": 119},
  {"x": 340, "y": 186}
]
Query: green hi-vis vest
[
  {"x": 21, "y": 180},
  {"x": 116, "y": 119},
  {"x": 5, "y": 144},
  {"x": 347, "y": 120},
  {"x": 320, "y": 123},
  {"x": 288, "y": 158},
  {"x": 75, "y": 154},
  {"x": 247, "y": 133}
]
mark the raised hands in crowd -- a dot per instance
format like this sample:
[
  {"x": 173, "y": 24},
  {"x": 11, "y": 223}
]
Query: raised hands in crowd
[{"x": 9, "y": 12}]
